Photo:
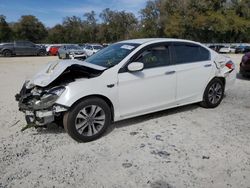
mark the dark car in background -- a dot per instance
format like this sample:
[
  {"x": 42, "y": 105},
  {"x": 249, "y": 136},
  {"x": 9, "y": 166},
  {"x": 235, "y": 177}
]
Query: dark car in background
[
  {"x": 245, "y": 65},
  {"x": 21, "y": 48},
  {"x": 216, "y": 47},
  {"x": 242, "y": 49}
]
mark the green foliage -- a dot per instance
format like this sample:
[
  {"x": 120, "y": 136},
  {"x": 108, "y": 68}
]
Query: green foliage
[
  {"x": 30, "y": 28},
  {"x": 5, "y": 31},
  {"x": 56, "y": 34},
  {"x": 200, "y": 20}
]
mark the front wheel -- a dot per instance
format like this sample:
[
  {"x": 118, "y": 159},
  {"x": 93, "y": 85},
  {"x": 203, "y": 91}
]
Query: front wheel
[
  {"x": 87, "y": 120},
  {"x": 213, "y": 94}
]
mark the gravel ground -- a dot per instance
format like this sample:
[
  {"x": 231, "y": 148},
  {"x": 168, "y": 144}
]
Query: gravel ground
[{"x": 183, "y": 147}]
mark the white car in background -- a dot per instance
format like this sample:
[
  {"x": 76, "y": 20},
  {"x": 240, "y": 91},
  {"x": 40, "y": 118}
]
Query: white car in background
[
  {"x": 228, "y": 49},
  {"x": 124, "y": 80},
  {"x": 91, "y": 49}
]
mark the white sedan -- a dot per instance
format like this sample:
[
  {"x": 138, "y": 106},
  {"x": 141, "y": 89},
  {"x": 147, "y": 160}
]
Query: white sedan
[
  {"x": 91, "y": 49},
  {"x": 229, "y": 49},
  {"x": 124, "y": 80}
]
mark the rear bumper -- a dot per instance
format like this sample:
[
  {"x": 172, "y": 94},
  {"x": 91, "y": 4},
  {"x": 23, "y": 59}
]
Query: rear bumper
[
  {"x": 245, "y": 69},
  {"x": 244, "y": 72},
  {"x": 230, "y": 79}
]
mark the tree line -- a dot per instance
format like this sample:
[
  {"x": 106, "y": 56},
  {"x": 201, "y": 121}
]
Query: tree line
[{"x": 199, "y": 20}]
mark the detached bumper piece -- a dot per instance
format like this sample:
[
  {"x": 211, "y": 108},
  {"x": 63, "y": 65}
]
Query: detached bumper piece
[{"x": 39, "y": 118}]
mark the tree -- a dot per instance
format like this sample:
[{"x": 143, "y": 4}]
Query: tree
[
  {"x": 73, "y": 30},
  {"x": 90, "y": 24},
  {"x": 30, "y": 28},
  {"x": 150, "y": 19},
  {"x": 56, "y": 34},
  {"x": 5, "y": 31},
  {"x": 117, "y": 25}
]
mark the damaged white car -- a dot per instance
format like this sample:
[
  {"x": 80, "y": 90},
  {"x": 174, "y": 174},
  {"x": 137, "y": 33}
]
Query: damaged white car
[{"x": 124, "y": 80}]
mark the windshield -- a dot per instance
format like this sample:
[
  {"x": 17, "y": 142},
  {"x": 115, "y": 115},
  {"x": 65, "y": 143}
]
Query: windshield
[
  {"x": 112, "y": 55},
  {"x": 73, "y": 47}
]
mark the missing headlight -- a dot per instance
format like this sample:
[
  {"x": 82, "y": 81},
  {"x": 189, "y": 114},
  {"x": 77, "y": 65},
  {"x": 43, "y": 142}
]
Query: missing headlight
[{"x": 49, "y": 98}]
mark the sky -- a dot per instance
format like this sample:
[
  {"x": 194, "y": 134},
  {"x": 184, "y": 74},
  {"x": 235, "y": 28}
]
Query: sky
[{"x": 52, "y": 12}]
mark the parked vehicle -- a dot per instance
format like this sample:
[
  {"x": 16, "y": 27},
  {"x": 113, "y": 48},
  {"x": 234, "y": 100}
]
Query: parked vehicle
[
  {"x": 228, "y": 49},
  {"x": 21, "y": 48},
  {"x": 71, "y": 51},
  {"x": 245, "y": 65},
  {"x": 124, "y": 80},
  {"x": 91, "y": 49},
  {"x": 242, "y": 49},
  {"x": 216, "y": 47},
  {"x": 82, "y": 45},
  {"x": 53, "y": 50},
  {"x": 106, "y": 45}
]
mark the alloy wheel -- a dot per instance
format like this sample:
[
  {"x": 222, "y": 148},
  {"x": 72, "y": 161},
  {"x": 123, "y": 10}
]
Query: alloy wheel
[
  {"x": 215, "y": 93},
  {"x": 90, "y": 120}
]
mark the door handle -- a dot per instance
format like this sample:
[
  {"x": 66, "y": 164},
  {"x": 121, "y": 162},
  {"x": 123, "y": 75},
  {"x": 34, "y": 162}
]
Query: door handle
[
  {"x": 170, "y": 72},
  {"x": 208, "y": 65}
]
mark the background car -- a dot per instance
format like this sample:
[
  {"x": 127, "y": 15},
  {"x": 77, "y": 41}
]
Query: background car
[
  {"x": 124, "y": 80},
  {"x": 216, "y": 47},
  {"x": 245, "y": 65},
  {"x": 53, "y": 50},
  {"x": 71, "y": 51},
  {"x": 21, "y": 48},
  {"x": 228, "y": 49},
  {"x": 242, "y": 49},
  {"x": 90, "y": 49}
]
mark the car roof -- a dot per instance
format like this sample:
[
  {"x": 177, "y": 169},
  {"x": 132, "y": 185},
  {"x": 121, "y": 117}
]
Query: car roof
[{"x": 146, "y": 40}]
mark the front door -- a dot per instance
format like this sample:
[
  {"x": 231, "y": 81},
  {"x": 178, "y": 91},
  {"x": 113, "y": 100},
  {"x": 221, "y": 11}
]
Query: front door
[{"x": 151, "y": 89}]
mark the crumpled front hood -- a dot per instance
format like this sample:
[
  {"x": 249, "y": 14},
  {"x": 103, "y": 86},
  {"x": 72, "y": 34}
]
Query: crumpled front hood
[{"x": 54, "y": 69}]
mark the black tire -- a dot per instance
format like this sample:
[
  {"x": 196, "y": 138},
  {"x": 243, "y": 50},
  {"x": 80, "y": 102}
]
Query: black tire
[
  {"x": 41, "y": 53},
  {"x": 7, "y": 53},
  {"x": 87, "y": 126},
  {"x": 212, "y": 97}
]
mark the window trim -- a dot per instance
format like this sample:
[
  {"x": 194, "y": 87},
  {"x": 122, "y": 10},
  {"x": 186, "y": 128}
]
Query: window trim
[
  {"x": 124, "y": 68},
  {"x": 190, "y": 44}
]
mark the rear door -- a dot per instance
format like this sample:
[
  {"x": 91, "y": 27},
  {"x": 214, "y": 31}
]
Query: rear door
[
  {"x": 151, "y": 89},
  {"x": 193, "y": 68},
  {"x": 19, "y": 48}
]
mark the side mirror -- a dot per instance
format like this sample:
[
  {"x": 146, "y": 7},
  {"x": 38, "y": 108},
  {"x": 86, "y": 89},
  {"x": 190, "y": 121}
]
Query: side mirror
[{"x": 135, "y": 66}]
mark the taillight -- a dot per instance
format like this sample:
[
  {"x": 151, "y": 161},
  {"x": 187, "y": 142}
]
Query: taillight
[{"x": 230, "y": 65}]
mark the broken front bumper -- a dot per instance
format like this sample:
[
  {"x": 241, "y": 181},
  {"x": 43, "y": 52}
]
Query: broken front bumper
[
  {"x": 43, "y": 117},
  {"x": 40, "y": 108}
]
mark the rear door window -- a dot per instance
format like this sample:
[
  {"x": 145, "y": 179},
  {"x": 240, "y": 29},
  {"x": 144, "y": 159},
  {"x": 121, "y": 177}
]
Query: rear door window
[{"x": 188, "y": 53}]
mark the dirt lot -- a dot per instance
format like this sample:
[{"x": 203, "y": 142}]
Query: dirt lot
[{"x": 183, "y": 147}]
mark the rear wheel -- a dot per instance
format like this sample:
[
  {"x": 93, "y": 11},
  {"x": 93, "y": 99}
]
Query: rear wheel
[
  {"x": 213, "y": 94},
  {"x": 59, "y": 56},
  {"x": 87, "y": 120},
  {"x": 7, "y": 53}
]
